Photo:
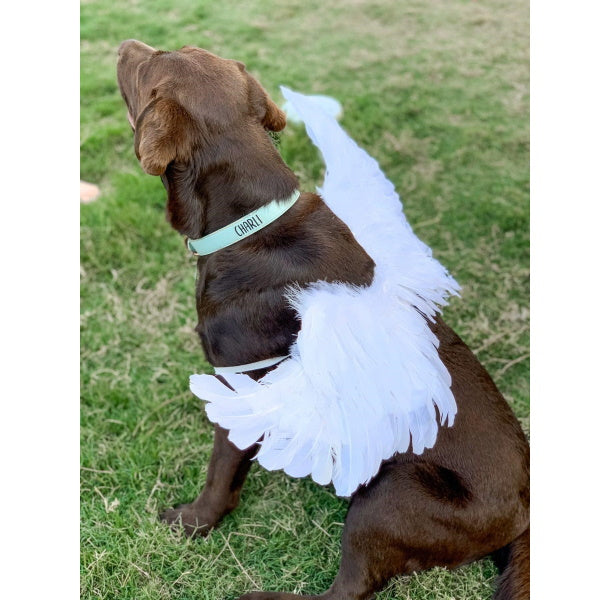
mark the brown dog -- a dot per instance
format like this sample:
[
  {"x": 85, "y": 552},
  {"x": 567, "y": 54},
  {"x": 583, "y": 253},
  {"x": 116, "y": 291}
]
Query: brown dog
[{"x": 199, "y": 123}]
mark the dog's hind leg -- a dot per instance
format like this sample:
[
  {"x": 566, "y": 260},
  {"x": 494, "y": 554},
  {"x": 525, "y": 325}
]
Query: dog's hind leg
[
  {"x": 227, "y": 472},
  {"x": 368, "y": 561},
  {"x": 412, "y": 517},
  {"x": 373, "y": 548}
]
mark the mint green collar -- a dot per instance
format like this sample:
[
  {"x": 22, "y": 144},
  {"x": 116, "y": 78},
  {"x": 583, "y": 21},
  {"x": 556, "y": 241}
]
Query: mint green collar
[{"x": 242, "y": 228}]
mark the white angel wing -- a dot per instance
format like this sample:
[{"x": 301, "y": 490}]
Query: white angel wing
[
  {"x": 364, "y": 377},
  {"x": 358, "y": 192}
]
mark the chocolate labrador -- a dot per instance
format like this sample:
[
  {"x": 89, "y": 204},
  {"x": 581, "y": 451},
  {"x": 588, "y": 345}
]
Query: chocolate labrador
[{"x": 201, "y": 123}]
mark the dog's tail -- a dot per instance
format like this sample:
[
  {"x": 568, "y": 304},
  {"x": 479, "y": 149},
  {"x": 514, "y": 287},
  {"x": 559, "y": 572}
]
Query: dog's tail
[{"x": 513, "y": 562}]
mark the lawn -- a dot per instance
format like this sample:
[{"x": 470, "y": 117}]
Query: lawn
[{"x": 437, "y": 92}]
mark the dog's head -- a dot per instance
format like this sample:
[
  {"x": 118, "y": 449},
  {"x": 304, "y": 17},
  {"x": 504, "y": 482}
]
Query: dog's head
[{"x": 179, "y": 101}]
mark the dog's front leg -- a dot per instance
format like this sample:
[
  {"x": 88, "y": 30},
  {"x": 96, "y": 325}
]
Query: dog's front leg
[{"x": 226, "y": 475}]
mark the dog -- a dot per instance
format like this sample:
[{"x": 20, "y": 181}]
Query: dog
[{"x": 201, "y": 123}]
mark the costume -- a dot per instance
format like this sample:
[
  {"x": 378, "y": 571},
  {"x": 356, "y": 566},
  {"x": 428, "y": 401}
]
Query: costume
[{"x": 364, "y": 377}]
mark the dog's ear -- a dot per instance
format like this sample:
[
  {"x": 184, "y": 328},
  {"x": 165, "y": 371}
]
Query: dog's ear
[
  {"x": 269, "y": 114},
  {"x": 163, "y": 133}
]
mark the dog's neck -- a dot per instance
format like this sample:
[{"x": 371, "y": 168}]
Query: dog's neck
[{"x": 225, "y": 182}]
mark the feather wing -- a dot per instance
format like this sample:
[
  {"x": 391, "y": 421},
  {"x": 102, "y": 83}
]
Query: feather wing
[{"x": 364, "y": 377}]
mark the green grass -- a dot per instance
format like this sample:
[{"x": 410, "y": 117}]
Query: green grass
[{"x": 437, "y": 91}]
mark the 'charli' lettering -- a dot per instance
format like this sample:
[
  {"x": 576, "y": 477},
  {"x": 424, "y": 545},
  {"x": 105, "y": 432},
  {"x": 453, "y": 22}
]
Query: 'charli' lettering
[{"x": 248, "y": 225}]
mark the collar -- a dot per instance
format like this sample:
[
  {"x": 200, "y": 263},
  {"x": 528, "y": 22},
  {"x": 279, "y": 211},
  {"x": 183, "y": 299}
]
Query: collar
[{"x": 242, "y": 228}]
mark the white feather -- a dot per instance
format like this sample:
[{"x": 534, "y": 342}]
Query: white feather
[{"x": 364, "y": 376}]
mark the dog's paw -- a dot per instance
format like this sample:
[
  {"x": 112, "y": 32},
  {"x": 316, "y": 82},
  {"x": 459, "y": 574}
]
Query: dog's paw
[{"x": 193, "y": 521}]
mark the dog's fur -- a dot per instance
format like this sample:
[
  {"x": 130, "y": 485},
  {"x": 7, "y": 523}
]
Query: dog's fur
[{"x": 200, "y": 123}]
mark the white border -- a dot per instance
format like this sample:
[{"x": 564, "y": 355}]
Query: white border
[
  {"x": 39, "y": 427},
  {"x": 565, "y": 290}
]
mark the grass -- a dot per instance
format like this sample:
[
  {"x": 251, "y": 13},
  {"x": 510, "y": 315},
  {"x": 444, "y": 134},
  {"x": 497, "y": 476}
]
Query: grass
[{"x": 437, "y": 91}]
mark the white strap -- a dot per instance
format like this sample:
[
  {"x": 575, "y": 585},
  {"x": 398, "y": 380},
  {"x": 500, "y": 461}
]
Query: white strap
[{"x": 261, "y": 364}]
